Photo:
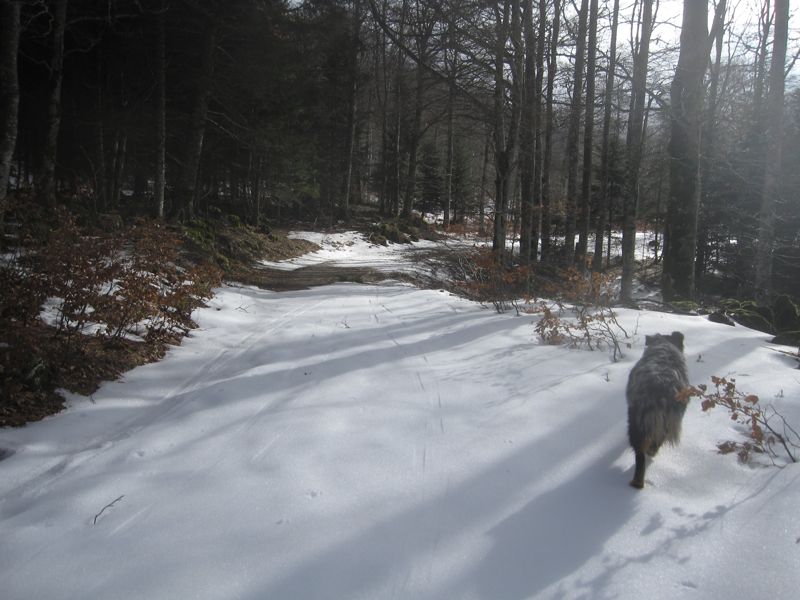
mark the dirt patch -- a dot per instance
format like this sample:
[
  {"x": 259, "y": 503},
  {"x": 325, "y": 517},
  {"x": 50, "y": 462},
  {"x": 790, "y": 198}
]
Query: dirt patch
[{"x": 327, "y": 273}]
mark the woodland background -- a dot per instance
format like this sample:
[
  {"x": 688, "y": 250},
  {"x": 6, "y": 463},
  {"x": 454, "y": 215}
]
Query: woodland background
[
  {"x": 554, "y": 120},
  {"x": 550, "y": 126}
]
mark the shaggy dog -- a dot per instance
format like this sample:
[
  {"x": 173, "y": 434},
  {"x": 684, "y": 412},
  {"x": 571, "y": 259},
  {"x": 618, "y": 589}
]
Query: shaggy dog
[{"x": 654, "y": 411}]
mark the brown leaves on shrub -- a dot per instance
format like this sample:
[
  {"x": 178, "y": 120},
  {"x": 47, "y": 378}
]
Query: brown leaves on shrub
[
  {"x": 129, "y": 285},
  {"x": 593, "y": 328},
  {"x": 761, "y": 423},
  {"x": 482, "y": 276}
]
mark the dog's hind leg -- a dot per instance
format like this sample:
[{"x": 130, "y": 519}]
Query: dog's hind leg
[{"x": 638, "y": 473}]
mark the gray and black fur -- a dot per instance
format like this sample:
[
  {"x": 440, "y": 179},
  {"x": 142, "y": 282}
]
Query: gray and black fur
[{"x": 654, "y": 411}]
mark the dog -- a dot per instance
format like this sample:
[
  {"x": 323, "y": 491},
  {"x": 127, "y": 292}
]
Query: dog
[{"x": 655, "y": 412}]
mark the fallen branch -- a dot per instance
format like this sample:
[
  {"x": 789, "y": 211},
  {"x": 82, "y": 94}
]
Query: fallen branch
[{"x": 109, "y": 505}]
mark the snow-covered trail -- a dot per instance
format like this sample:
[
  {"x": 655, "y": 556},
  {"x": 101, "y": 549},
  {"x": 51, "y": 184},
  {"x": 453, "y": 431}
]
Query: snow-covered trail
[{"x": 381, "y": 441}]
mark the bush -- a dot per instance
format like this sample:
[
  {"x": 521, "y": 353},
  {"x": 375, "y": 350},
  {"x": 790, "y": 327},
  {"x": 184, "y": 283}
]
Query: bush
[
  {"x": 593, "y": 328},
  {"x": 745, "y": 409},
  {"x": 114, "y": 300},
  {"x": 481, "y": 276}
]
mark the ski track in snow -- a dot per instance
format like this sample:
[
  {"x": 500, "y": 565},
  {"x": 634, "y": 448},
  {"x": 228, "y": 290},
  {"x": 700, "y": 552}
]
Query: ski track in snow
[{"x": 380, "y": 441}]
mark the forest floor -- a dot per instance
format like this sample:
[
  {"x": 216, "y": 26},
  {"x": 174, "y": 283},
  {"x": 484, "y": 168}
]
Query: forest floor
[{"x": 380, "y": 441}]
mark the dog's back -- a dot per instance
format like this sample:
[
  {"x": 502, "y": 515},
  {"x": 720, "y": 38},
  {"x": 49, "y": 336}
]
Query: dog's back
[{"x": 654, "y": 412}]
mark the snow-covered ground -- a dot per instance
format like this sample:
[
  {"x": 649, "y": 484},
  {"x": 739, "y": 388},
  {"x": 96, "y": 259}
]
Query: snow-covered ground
[
  {"x": 381, "y": 441},
  {"x": 352, "y": 249}
]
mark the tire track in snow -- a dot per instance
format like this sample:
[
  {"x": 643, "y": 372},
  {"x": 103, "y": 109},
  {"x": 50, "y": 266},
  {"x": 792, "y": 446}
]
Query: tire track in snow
[{"x": 16, "y": 498}]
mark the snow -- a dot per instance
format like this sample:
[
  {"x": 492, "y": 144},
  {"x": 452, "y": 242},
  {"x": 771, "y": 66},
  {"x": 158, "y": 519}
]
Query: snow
[{"x": 381, "y": 441}]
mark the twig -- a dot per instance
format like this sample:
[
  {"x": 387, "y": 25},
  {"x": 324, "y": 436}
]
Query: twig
[{"x": 109, "y": 505}]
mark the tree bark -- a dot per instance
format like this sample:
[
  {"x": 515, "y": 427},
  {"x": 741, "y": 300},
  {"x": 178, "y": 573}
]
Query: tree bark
[
  {"x": 527, "y": 137},
  {"x": 538, "y": 153},
  {"x": 186, "y": 190},
  {"x": 161, "y": 112},
  {"x": 573, "y": 137},
  {"x": 9, "y": 94},
  {"x": 588, "y": 139},
  {"x": 352, "y": 125},
  {"x": 709, "y": 142},
  {"x": 422, "y": 37},
  {"x": 605, "y": 192},
  {"x": 46, "y": 179},
  {"x": 635, "y": 147},
  {"x": 686, "y": 103},
  {"x": 770, "y": 190},
  {"x": 552, "y": 66},
  {"x": 508, "y": 26}
]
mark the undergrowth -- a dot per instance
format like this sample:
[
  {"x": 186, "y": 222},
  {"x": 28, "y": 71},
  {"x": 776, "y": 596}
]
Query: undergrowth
[
  {"x": 765, "y": 429},
  {"x": 577, "y": 311},
  {"x": 80, "y": 305}
]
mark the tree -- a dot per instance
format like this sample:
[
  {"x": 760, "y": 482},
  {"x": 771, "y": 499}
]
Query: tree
[
  {"x": 547, "y": 160},
  {"x": 508, "y": 31},
  {"x": 573, "y": 135},
  {"x": 46, "y": 179},
  {"x": 604, "y": 200},
  {"x": 635, "y": 143},
  {"x": 774, "y": 135},
  {"x": 588, "y": 139},
  {"x": 186, "y": 188},
  {"x": 9, "y": 93},
  {"x": 528, "y": 137},
  {"x": 686, "y": 107},
  {"x": 161, "y": 112}
]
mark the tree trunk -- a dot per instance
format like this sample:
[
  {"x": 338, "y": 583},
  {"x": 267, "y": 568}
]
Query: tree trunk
[
  {"x": 9, "y": 94},
  {"x": 482, "y": 193},
  {"x": 588, "y": 139},
  {"x": 635, "y": 147},
  {"x": 352, "y": 125},
  {"x": 508, "y": 26},
  {"x": 770, "y": 191},
  {"x": 451, "y": 72},
  {"x": 448, "y": 176},
  {"x": 573, "y": 137},
  {"x": 552, "y": 66},
  {"x": 414, "y": 136},
  {"x": 186, "y": 190},
  {"x": 709, "y": 136},
  {"x": 46, "y": 179},
  {"x": 527, "y": 137},
  {"x": 686, "y": 100},
  {"x": 422, "y": 38},
  {"x": 538, "y": 153},
  {"x": 161, "y": 113},
  {"x": 605, "y": 192}
]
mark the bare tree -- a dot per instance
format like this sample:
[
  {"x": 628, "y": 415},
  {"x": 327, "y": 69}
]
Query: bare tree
[
  {"x": 588, "y": 139},
  {"x": 161, "y": 112},
  {"x": 602, "y": 208},
  {"x": 186, "y": 189},
  {"x": 774, "y": 134},
  {"x": 552, "y": 67},
  {"x": 528, "y": 136},
  {"x": 635, "y": 143},
  {"x": 686, "y": 108},
  {"x": 508, "y": 30},
  {"x": 573, "y": 136},
  {"x": 9, "y": 93},
  {"x": 46, "y": 180}
]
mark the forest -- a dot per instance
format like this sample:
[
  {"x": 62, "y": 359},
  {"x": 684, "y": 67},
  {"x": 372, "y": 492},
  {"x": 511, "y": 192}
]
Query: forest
[
  {"x": 380, "y": 299},
  {"x": 549, "y": 127},
  {"x": 550, "y": 120}
]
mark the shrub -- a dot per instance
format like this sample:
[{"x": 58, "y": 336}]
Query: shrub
[
  {"x": 593, "y": 328},
  {"x": 103, "y": 288},
  {"x": 481, "y": 276},
  {"x": 762, "y": 424}
]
